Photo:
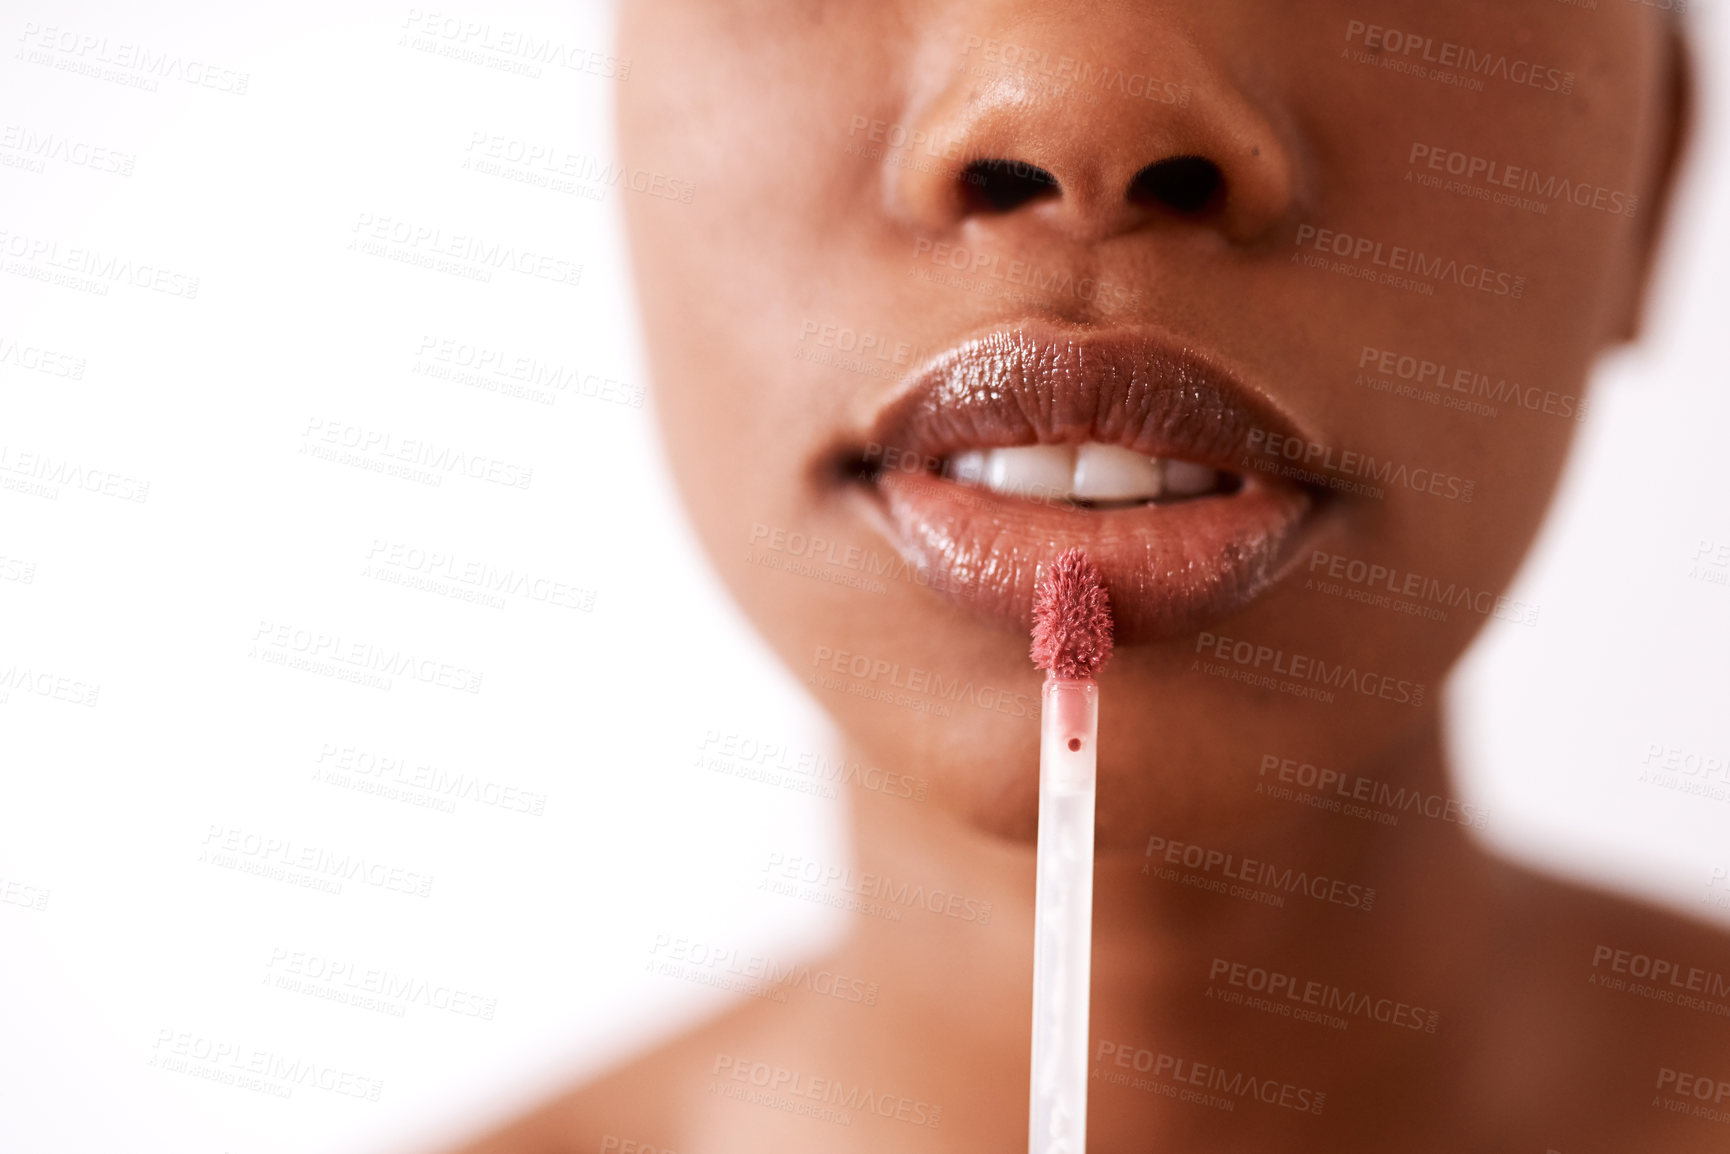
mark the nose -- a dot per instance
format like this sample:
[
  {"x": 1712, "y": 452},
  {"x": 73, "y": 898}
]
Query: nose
[{"x": 1092, "y": 128}]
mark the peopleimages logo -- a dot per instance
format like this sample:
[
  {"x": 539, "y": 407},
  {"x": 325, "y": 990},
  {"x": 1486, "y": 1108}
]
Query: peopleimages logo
[
  {"x": 370, "y": 987},
  {"x": 872, "y": 887},
  {"x": 867, "y": 345},
  {"x": 1230, "y": 866},
  {"x": 40, "y": 254},
  {"x": 17, "y": 893},
  {"x": 900, "y": 136},
  {"x": 747, "y": 756},
  {"x": 39, "y": 147},
  {"x": 44, "y": 683},
  {"x": 1332, "y": 1003},
  {"x": 421, "y": 244},
  {"x": 1703, "y": 1096},
  {"x": 1449, "y": 62},
  {"x": 1325, "y": 463},
  {"x": 40, "y": 360},
  {"x": 136, "y": 65},
  {"x": 1403, "y": 260},
  {"x": 1495, "y": 175},
  {"x": 508, "y": 49},
  {"x": 325, "y": 439},
  {"x": 883, "y": 674},
  {"x": 1073, "y": 70},
  {"x": 44, "y": 474},
  {"x": 1661, "y": 971},
  {"x": 1226, "y": 1087},
  {"x": 1386, "y": 586},
  {"x": 273, "y": 641},
  {"x": 227, "y": 846},
  {"x": 1304, "y": 670},
  {"x": 794, "y": 1091},
  {"x": 978, "y": 270},
  {"x": 1423, "y": 373},
  {"x": 1352, "y": 787},
  {"x": 1702, "y": 1086},
  {"x": 518, "y": 374},
  {"x": 552, "y": 166},
  {"x": 274, "y": 1072},
  {"x": 756, "y": 975}
]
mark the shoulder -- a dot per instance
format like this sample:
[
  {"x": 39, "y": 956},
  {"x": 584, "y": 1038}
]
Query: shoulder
[
  {"x": 1624, "y": 1008},
  {"x": 1592, "y": 941},
  {"x": 653, "y": 1104}
]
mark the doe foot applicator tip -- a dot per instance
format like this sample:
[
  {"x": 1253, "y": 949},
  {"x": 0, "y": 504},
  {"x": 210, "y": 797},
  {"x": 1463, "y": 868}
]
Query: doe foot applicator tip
[{"x": 1072, "y": 623}]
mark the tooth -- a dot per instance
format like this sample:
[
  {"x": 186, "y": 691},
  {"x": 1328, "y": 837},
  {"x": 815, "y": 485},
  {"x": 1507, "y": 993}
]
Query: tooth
[
  {"x": 1187, "y": 479},
  {"x": 969, "y": 467},
  {"x": 1113, "y": 473},
  {"x": 1037, "y": 471}
]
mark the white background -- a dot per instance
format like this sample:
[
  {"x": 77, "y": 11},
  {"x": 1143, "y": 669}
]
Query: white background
[{"x": 106, "y": 810}]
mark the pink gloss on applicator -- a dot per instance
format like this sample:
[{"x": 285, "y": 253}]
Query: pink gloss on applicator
[{"x": 1072, "y": 638}]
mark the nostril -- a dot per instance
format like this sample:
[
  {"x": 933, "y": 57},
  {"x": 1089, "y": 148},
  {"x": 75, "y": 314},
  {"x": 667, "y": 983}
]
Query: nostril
[
  {"x": 1187, "y": 184},
  {"x": 1004, "y": 185}
]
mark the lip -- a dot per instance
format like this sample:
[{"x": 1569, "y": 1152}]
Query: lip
[{"x": 1171, "y": 569}]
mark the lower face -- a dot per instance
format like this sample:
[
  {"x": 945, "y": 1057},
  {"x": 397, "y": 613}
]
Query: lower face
[{"x": 1303, "y": 402}]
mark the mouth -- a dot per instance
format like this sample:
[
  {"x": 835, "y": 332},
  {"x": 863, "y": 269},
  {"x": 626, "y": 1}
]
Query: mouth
[{"x": 1018, "y": 445}]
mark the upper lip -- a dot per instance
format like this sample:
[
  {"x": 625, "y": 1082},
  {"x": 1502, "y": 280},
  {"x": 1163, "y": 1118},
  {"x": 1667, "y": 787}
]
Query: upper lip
[{"x": 1031, "y": 385}]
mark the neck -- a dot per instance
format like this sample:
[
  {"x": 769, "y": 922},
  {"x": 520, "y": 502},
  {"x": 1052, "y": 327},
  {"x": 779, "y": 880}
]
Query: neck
[{"x": 1198, "y": 937}]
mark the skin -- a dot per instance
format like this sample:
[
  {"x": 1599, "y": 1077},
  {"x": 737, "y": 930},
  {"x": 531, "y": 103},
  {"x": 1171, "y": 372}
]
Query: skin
[{"x": 757, "y": 105}]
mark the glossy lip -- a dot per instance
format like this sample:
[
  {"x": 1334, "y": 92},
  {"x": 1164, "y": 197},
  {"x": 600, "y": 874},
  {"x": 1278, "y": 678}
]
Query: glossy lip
[{"x": 1170, "y": 568}]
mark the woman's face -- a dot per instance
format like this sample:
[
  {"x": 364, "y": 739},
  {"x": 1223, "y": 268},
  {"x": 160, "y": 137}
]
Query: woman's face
[{"x": 1340, "y": 267}]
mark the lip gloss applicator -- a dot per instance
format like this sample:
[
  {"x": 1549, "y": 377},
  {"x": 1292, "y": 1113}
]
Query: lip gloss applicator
[{"x": 1072, "y": 630}]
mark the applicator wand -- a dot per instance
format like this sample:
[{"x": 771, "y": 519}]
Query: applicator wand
[{"x": 1071, "y": 642}]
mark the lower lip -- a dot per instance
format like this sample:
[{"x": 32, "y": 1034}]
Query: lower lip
[{"x": 1171, "y": 569}]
